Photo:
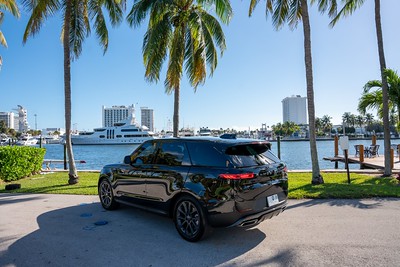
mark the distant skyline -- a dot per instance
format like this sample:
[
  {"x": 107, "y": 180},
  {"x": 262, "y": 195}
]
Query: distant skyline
[{"x": 259, "y": 68}]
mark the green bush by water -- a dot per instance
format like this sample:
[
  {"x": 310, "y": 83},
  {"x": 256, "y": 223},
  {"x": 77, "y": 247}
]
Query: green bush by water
[{"x": 17, "y": 162}]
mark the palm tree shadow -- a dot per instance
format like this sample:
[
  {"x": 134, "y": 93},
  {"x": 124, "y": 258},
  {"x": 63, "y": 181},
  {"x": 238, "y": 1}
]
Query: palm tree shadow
[
  {"x": 87, "y": 235},
  {"x": 355, "y": 203}
]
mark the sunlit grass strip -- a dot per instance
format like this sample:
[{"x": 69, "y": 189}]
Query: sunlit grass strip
[
  {"x": 57, "y": 183},
  {"x": 335, "y": 186}
]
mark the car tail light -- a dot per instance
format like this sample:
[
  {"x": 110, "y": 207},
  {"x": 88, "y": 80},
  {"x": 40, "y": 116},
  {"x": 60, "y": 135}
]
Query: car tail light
[{"x": 237, "y": 176}]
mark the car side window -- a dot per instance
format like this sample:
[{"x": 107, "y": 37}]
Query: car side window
[
  {"x": 206, "y": 154},
  {"x": 145, "y": 154},
  {"x": 172, "y": 154}
]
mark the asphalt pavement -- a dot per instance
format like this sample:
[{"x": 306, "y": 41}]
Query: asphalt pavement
[{"x": 70, "y": 230}]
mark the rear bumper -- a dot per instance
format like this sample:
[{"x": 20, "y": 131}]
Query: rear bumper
[
  {"x": 254, "y": 219},
  {"x": 235, "y": 218}
]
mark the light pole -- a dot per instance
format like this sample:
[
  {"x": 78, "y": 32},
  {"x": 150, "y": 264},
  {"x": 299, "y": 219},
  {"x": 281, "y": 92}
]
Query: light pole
[{"x": 35, "y": 122}]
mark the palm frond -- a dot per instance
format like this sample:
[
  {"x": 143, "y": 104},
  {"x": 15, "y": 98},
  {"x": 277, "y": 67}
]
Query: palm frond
[
  {"x": 3, "y": 41},
  {"x": 142, "y": 8},
  {"x": 176, "y": 58},
  {"x": 280, "y": 13},
  {"x": 155, "y": 48},
  {"x": 41, "y": 10},
  {"x": 223, "y": 8},
  {"x": 370, "y": 100},
  {"x": 294, "y": 14},
  {"x": 79, "y": 27},
  {"x": 349, "y": 7},
  {"x": 115, "y": 10},
  {"x": 372, "y": 84},
  {"x": 10, "y": 6},
  {"x": 324, "y": 5}
]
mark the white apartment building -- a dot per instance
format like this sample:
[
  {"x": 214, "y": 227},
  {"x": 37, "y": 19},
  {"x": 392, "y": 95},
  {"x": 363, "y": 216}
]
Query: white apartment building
[
  {"x": 117, "y": 113},
  {"x": 147, "y": 118},
  {"x": 295, "y": 109},
  {"x": 8, "y": 118}
]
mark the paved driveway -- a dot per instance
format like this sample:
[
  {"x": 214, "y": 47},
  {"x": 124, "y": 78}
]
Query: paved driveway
[{"x": 60, "y": 230}]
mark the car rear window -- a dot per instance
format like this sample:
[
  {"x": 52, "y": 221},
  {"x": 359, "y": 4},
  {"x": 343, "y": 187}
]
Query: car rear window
[{"x": 249, "y": 155}]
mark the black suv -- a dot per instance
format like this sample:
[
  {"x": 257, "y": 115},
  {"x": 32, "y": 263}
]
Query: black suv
[{"x": 199, "y": 182}]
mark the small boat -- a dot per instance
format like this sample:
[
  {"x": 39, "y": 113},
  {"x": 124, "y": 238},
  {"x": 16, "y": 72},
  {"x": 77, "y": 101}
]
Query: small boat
[
  {"x": 52, "y": 139},
  {"x": 124, "y": 132},
  {"x": 5, "y": 141},
  {"x": 27, "y": 140}
]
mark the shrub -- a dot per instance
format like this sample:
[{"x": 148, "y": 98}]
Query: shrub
[{"x": 18, "y": 162}]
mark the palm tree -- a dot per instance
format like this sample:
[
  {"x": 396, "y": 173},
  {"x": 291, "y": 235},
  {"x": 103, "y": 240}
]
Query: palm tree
[
  {"x": 10, "y": 6},
  {"x": 374, "y": 99},
  {"x": 319, "y": 126},
  {"x": 291, "y": 12},
  {"x": 185, "y": 33},
  {"x": 360, "y": 120},
  {"x": 369, "y": 119},
  {"x": 346, "y": 118},
  {"x": 349, "y": 7},
  {"x": 326, "y": 123},
  {"x": 76, "y": 16}
]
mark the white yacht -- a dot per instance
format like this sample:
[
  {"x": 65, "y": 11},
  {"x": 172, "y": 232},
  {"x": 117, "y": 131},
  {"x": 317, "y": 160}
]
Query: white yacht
[
  {"x": 122, "y": 133},
  {"x": 27, "y": 140}
]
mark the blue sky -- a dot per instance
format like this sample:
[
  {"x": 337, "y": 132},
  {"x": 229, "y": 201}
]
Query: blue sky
[{"x": 259, "y": 68}]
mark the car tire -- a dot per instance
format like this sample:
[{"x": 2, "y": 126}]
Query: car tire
[
  {"x": 106, "y": 195},
  {"x": 190, "y": 220}
]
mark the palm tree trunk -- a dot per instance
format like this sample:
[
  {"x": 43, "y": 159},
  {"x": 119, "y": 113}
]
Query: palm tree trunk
[
  {"x": 385, "y": 94},
  {"x": 316, "y": 175},
  {"x": 72, "y": 173},
  {"x": 176, "y": 111}
]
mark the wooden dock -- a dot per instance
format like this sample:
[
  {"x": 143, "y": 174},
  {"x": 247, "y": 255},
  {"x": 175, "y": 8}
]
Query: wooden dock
[{"x": 377, "y": 163}]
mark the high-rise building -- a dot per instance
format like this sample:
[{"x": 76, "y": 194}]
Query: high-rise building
[
  {"x": 147, "y": 118},
  {"x": 117, "y": 113},
  {"x": 8, "y": 118},
  {"x": 295, "y": 109}
]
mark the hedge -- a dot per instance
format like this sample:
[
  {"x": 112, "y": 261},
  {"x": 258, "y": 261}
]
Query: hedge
[{"x": 17, "y": 162}]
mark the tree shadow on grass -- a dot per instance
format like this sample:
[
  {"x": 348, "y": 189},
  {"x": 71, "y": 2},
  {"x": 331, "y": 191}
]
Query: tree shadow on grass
[
  {"x": 128, "y": 237},
  {"x": 55, "y": 189}
]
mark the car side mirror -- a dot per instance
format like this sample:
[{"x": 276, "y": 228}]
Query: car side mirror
[{"x": 127, "y": 159}]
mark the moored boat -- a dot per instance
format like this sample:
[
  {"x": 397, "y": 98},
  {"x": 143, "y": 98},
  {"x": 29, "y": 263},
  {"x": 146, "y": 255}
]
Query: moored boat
[
  {"x": 122, "y": 133},
  {"x": 27, "y": 140}
]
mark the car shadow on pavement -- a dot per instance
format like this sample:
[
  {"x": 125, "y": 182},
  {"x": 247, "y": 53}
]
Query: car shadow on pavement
[{"x": 87, "y": 235}]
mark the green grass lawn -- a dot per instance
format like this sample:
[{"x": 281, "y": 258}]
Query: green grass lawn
[{"x": 336, "y": 186}]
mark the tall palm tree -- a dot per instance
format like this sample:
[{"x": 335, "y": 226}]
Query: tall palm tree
[
  {"x": 291, "y": 12},
  {"x": 76, "y": 16},
  {"x": 184, "y": 32},
  {"x": 349, "y": 7},
  {"x": 10, "y": 6}
]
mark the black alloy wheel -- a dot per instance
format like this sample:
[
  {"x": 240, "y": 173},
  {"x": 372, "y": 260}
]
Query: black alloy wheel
[
  {"x": 106, "y": 195},
  {"x": 189, "y": 219}
]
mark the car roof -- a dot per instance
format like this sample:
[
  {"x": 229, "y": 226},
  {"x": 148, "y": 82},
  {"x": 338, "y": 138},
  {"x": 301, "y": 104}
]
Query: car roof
[{"x": 230, "y": 141}]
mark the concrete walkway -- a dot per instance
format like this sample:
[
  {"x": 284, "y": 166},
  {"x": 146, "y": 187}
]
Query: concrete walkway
[{"x": 61, "y": 230}]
